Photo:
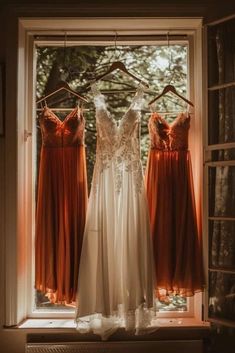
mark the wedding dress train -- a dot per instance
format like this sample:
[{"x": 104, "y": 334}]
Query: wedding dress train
[{"x": 116, "y": 278}]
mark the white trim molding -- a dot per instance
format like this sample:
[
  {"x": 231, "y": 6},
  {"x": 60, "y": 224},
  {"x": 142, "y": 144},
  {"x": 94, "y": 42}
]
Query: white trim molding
[
  {"x": 108, "y": 25},
  {"x": 19, "y": 155}
]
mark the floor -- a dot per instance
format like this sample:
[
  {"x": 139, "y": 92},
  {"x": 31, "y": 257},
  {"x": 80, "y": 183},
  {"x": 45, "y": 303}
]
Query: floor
[{"x": 220, "y": 340}]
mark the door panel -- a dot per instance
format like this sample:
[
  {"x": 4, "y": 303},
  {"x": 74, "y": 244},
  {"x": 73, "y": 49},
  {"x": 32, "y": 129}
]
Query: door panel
[{"x": 220, "y": 172}]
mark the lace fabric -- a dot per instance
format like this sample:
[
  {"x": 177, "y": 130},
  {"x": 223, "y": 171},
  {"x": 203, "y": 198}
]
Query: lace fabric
[
  {"x": 116, "y": 278},
  {"x": 57, "y": 133},
  {"x": 169, "y": 137},
  {"x": 141, "y": 321},
  {"x": 114, "y": 140}
]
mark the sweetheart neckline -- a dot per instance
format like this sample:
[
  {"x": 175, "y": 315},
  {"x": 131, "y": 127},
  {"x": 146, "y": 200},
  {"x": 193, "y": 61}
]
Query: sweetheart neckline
[
  {"x": 170, "y": 125},
  {"x": 46, "y": 108}
]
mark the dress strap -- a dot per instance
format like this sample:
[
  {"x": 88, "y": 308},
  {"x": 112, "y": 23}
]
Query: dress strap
[
  {"x": 138, "y": 99},
  {"x": 152, "y": 110},
  {"x": 94, "y": 89},
  {"x": 99, "y": 99}
]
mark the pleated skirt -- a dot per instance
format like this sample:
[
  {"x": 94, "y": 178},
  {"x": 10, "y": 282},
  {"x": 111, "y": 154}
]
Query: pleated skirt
[
  {"x": 176, "y": 241},
  {"x": 60, "y": 219}
]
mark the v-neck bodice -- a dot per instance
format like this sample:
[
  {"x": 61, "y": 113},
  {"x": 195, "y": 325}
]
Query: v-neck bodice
[
  {"x": 57, "y": 133},
  {"x": 118, "y": 144},
  {"x": 106, "y": 120},
  {"x": 169, "y": 137}
]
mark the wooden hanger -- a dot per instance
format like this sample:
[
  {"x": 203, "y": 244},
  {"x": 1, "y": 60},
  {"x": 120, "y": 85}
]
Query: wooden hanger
[
  {"x": 120, "y": 65},
  {"x": 62, "y": 86},
  {"x": 170, "y": 88}
]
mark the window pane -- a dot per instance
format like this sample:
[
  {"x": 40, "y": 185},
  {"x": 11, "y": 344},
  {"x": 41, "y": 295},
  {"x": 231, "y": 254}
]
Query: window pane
[
  {"x": 171, "y": 302},
  {"x": 222, "y": 295},
  {"x": 222, "y": 244},
  {"x": 223, "y": 155},
  {"x": 78, "y": 66},
  {"x": 45, "y": 303},
  {"x": 222, "y": 191},
  {"x": 221, "y": 52},
  {"x": 221, "y": 122}
]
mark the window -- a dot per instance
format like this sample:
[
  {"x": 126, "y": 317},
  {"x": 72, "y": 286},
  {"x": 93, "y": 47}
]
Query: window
[
  {"x": 190, "y": 34},
  {"x": 220, "y": 173},
  {"x": 78, "y": 64}
]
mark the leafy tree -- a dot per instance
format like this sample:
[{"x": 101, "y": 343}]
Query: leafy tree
[
  {"x": 78, "y": 65},
  {"x": 157, "y": 65}
]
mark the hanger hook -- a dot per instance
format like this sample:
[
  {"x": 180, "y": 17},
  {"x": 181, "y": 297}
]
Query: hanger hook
[
  {"x": 170, "y": 56},
  {"x": 115, "y": 45},
  {"x": 65, "y": 42},
  {"x": 65, "y": 38}
]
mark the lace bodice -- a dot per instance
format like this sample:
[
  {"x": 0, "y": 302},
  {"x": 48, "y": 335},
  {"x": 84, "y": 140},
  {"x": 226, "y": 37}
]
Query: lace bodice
[
  {"x": 118, "y": 143},
  {"x": 57, "y": 133},
  {"x": 169, "y": 137}
]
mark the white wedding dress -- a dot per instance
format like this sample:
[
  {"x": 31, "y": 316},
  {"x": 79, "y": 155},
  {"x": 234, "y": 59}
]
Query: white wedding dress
[{"x": 116, "y": 279}]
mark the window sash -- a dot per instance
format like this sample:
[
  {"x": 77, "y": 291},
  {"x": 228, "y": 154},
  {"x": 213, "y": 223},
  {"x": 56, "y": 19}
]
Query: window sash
[
  {"x": 209, "y": 163},
  {"x": 19, "y": 245}
]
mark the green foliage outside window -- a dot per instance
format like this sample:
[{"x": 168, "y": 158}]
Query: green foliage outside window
[{"x": 158, "y": 65}]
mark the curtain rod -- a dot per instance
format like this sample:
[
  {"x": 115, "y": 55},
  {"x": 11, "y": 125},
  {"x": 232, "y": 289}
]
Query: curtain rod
[{"x": 110, "y": 37}]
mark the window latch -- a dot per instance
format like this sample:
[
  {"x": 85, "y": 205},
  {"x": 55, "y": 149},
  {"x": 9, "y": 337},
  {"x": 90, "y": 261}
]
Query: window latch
[{"x": 27, "y": 134}]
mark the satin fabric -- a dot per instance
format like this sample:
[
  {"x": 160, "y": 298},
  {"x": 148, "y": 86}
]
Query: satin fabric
[
  {"x": 61, "y": 205},
  {"x": 170, "y": 193}
]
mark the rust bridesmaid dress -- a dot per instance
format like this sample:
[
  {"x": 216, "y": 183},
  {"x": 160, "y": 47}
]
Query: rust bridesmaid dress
[
  {"x": 61, "y": 205},
  {"x": 170, "y": 193}
]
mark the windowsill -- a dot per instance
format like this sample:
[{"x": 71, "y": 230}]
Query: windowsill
[
  {"x": 70, "y": 324},
  {"x": 58, "y": 330}
]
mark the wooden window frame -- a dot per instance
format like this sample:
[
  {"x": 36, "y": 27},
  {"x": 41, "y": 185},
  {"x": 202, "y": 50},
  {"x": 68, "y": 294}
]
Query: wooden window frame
[
  {"x": 19, "y": 146},
  {"x": 208, "y": 163}
]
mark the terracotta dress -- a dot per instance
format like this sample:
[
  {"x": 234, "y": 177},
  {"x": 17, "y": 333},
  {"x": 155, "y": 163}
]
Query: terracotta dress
[
  {"x": 61, "y": 205},
  {"x": 170, "y": 193}
]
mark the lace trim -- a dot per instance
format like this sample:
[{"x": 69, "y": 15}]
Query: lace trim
[
  {"x": 128, "y": 152},
  {"x": 169, "y": 137},
  {"x": 119, "y": 144},
  {"x": 138, "y": 99},
  {"x": 140, "y": 320}
]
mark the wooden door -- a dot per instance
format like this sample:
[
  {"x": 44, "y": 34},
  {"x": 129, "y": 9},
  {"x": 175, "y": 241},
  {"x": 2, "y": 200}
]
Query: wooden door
[{"x": 219, "y": 172}]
